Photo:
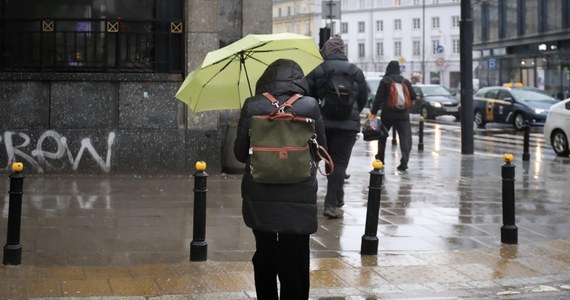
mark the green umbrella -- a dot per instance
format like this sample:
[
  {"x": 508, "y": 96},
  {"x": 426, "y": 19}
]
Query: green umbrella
[{"x": 228, "y": 75}]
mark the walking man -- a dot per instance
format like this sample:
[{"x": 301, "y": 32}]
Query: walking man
[
  {"x": 397, "y": 117},
  {"x": 342, "y": 92}
]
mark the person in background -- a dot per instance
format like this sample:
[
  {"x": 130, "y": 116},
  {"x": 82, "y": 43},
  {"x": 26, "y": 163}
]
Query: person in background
[
  {"x": 340, "y": 134},
  {"x": 282, "y": 216},
  {"x": 400, "y": 119}
]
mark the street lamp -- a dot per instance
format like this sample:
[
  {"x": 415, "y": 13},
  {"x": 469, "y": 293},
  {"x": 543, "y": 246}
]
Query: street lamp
[{"x": 424, "y": 41}]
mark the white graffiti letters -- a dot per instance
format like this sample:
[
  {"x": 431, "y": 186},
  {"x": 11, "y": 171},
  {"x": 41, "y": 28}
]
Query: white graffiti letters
[{"x": 38, "y": 158}]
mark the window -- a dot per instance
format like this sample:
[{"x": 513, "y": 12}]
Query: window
[
  {"x": 361, "y": 26},
  {"x": 456, "y": 46},
  {"x": 455, "y": 21},
  {"x": 416, "y": 2},
  {"x": 435, "y": 1},
  {"x": 279, "y": 12},
  {"x": 435, "y": 22},
  {"x": 288, "y": 10},
  {"x": 398, "y": 48},
  {"x": 379, "y": 25},
  {"x": 361, "y": 4},
  {"x": 361, "y": 51},
  {"x": 344, "y": 27},
  {"x": 416, "y": 23},
  {"x": 85, "y": 36},
  {"x": 397, "y": 24},
  {"x": 397, "y": 2},
  {"x": 416, "y": 48},
  {"x": 434, "y": 44},
  {"x": 380, "y": 49}
]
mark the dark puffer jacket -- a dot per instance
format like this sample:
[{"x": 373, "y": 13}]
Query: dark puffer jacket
[
  {"x": 317, "y": 81},
  {"x": 283, "y": 208}
]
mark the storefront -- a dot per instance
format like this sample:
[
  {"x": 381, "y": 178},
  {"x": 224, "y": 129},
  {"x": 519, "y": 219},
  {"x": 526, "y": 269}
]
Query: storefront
[{"x": 542, "y": 65}]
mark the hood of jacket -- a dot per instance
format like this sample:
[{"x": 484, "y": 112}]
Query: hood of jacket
[
  {"x": 393, "y": 68},
  {"x": 281, "y": 77}
]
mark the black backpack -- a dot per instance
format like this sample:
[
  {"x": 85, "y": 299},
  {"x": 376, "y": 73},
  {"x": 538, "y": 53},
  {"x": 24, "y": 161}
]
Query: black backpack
[{"x": 338, "y": 98}]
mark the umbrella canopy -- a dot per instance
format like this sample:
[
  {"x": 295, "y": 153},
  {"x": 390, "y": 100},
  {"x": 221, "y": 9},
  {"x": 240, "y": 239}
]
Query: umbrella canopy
[{"x": 228, "y": 75}]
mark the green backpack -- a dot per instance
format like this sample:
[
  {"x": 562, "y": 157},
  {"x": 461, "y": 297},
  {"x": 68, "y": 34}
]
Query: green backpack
[{"x": 280, "y": 144}]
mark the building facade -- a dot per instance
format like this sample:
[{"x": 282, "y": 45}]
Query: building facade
[
  {"x": 88, "y": 86},
  {"x": 422, "y": 34},
  {"x": 523, "y": 41}
]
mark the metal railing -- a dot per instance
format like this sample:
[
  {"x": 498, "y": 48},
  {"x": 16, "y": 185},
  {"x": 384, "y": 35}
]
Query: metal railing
[{"x": 91, "y": 45}]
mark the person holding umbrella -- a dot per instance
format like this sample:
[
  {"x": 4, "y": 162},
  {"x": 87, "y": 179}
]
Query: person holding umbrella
[
  {"x": 282, "y": 216},
  {"x": 341, "y": 132}
]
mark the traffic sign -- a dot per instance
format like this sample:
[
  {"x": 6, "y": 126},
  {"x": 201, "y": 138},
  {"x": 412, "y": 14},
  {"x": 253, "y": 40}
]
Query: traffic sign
[
  {"x": 439, "y": 49},
  {"x": 331, "y": 9},
  {"x": 440, "y": 62},
  {"x": 492, "y": 64}
]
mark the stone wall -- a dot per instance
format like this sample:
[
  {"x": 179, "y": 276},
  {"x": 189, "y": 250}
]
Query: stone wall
[
  {"x": 126, "y": 123},
  {"x": 99, "y": 123}
]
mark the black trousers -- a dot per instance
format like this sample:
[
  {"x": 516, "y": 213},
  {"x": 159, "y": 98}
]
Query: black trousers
[
  {"x": 339, "y": 145},
  {"x": 404, "y": 129},
  {"x": 284, "y": 256}
]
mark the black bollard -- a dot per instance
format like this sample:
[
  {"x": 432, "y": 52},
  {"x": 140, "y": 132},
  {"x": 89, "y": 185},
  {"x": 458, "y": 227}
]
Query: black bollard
[
  {"x": 394, "y": 141},
  {"x": 509, "y": 231},
  {"x": 13, "y": 248},
  {"x": 199, "y": 246},
  {"x": 369, "y": 245},
  {"x": 421, "y": 134},
  {"x": 526, "y": 155}
]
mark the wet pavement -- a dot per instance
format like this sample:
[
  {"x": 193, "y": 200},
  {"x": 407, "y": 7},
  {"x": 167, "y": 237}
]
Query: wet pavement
[{"x": 128, "y": 237}]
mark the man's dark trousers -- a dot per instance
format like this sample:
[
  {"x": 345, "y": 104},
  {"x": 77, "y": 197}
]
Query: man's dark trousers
[{"x": 339, "y": 145}]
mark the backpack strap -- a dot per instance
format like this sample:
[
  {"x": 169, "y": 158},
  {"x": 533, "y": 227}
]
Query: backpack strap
[
  {"x": 287, "y": 104},
  {"x": 293, "y": 98},
  {"x": 274, "y": 101},
  {"x": 271, "y": 99}
]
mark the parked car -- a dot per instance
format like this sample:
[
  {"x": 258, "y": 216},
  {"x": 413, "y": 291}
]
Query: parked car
[
  {"x": 373, "y": 83},
  {"x": 557, "y": 127},
  {"x": 435, "y": 100},
  {"x": 514, "y": 105}
]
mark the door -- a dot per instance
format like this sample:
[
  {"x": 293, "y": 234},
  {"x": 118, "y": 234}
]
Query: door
[{"x": 503, "y": 106}]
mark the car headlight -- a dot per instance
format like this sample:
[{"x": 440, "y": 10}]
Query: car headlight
[
  {"x": 540, "y": 111},
  {"x": 435, "y": 104}
]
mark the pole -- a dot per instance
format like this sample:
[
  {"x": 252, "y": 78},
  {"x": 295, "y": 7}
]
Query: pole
[
  {"x": 509, "y": 231},
  {"x": 466, "y": 67},
  {"x": 13, "y": 248},
  {"x": 369, "y": 244},
  {"x": 526, "y": 154},
  {"x": 421, "y": 134},
  {"x": 424, "y": 42},
  {"x": 199, "y": 246}
]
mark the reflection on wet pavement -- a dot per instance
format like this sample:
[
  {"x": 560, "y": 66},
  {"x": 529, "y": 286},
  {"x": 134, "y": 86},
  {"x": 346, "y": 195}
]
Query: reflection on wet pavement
[{"x": 439, "y": 230}]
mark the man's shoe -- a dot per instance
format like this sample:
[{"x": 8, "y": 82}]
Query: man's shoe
[
  {"x": 333, "y": 212},
  {"x": 346, "y": 176},
  {"x": 402, "y": 168}
]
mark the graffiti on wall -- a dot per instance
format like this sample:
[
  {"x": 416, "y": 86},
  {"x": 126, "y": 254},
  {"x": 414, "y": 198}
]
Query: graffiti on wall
[{"x": 42, "y": 159}]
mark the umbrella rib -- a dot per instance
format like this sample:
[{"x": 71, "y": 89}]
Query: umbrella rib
[{"x": 242, "y": 63}]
